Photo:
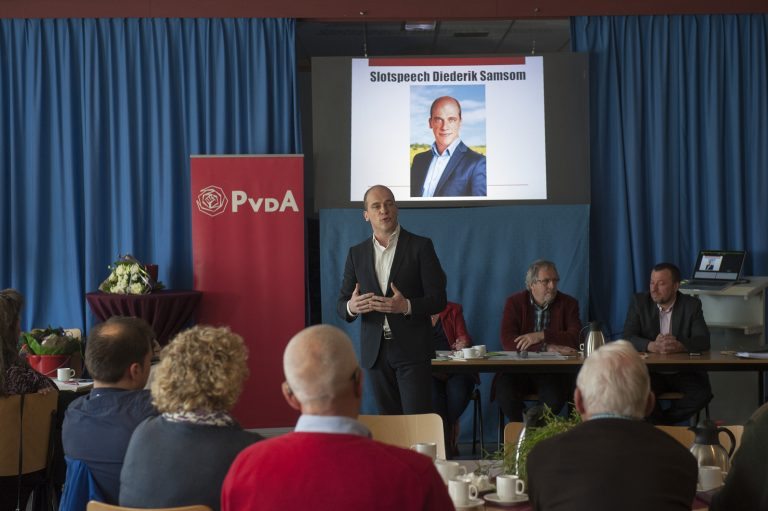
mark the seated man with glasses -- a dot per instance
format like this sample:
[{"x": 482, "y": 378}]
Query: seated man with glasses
[
  {"x": 538, "y": 319},
  {"x": 449, "y": 168}
]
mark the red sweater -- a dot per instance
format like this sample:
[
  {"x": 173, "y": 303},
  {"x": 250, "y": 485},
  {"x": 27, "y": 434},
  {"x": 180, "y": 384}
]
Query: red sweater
[{"x": 327, "y": 471}]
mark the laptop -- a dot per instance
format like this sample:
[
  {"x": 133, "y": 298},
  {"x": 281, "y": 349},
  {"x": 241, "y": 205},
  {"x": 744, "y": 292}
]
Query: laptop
[{"x": 716, "y": 270}]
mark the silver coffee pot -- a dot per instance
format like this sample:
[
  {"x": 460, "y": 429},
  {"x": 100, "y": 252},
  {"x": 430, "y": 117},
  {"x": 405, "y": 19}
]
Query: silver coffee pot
[
  {"x": 594, "y": 340},
  {"x": 707, "y": 448}
]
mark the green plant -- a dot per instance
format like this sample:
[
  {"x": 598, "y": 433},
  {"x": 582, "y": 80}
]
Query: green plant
[
  {"x": 49, "y": 341},
  {"x": 515, "y": 463}
]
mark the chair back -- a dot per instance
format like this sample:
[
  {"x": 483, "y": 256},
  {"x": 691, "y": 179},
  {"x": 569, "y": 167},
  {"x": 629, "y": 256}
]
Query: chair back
[
  {"x": 406, "y": 430},
  {"x": 512, "y": 432},
  {"x": 26, "y": 424},
  {"x": 680, "y": 433},
  {"x": 100, "y": 506}
]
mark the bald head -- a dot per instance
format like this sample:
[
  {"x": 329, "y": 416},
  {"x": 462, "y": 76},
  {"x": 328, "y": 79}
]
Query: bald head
[
  {"x": 614, "y": 380},
  {"x": 320, "y": 366}
]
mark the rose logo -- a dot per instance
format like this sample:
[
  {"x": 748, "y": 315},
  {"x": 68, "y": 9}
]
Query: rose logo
[{"x": 212, "y": 201}]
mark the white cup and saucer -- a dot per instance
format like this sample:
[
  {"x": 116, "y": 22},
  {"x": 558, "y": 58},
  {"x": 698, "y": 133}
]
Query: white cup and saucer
[
  {"x": 471, "y": 353},
  {"x": 449, "y": 469},
  {"x": 463, "y": 493},
  {"x": 510, "y": 489},
  {"x": 710, "y": 478},
  {"x": 426, "y": 448}
]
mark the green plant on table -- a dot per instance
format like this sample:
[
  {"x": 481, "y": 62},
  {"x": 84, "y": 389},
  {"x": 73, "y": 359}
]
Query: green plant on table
[
  {"x": 49, "y": 341},
  {"x": 553, "y": 425}
]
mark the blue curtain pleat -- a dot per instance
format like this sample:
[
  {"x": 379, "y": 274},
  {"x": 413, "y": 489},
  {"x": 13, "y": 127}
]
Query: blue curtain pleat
[
  {"x": 679, "y": 146},
  {"x": 98, "y": 118}
]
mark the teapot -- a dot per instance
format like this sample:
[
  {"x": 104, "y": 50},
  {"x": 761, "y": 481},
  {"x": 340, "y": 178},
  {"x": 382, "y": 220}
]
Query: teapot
[
  {"x": 706, "y": 446},
  {"x": 594, "y": 340}
]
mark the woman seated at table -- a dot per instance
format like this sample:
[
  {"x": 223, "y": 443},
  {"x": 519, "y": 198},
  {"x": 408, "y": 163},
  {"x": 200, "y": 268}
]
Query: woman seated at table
[
  {"x": 451, "y": 392},
  {"x": 16, "y": 377},
  {"x": 180, "y": 458}
]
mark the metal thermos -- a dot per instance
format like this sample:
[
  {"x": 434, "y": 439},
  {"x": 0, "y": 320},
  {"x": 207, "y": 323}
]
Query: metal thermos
[
  {"x": 707, "y": 448},
  {"x": 595, "y": 339}
]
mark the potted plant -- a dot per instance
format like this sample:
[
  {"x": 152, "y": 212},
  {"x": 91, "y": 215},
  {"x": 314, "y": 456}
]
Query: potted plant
[
  {"x": 515, "y": 454},
  {"x": 48, "y": 349}
]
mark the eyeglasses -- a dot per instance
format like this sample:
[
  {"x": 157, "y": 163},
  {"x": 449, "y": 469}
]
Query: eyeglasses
[{"x": 547, "y": 282}]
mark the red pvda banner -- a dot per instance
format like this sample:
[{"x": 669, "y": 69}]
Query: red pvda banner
[{"x": 248, "y": 259}]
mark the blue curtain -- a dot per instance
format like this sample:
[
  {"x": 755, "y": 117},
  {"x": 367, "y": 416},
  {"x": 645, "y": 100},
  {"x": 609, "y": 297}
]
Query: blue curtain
[
  {"x": 484, "y": 252},
  {"x": 679, "y": 146},
  {"x": 98, "y": 118}
]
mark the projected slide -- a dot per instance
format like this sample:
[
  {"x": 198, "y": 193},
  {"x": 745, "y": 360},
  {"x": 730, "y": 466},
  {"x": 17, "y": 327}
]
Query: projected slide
[{"x": 467, "y": 129}]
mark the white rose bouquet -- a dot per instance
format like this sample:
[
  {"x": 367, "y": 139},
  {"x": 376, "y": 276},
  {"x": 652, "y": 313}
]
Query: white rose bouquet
[{"x": 129, "y": 276}]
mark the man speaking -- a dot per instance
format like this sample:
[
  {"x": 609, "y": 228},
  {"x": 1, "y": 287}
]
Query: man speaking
[
  {"x": 393, "y": 282},
  {"x": 449, "y": 168}
]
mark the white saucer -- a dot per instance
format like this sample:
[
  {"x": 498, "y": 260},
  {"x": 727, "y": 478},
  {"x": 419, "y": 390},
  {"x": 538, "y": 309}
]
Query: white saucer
[
  {"x": 469, "y": 358},
  {"x": 494, "y": 497},
  {"x": 472, "y": 503}
]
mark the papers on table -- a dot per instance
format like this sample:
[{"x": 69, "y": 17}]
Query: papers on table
[
  {"x": 752, "y": 354},
  {"x": 74, "y": 385},
  {"x": 507, "y": 355}
]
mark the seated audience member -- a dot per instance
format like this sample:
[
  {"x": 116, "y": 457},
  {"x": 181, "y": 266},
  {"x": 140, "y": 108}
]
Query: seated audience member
[
  {"x": 98, "y": 426},
  {"x": 180, "y": 458},
  {"x": 746, "y": 487},
  {"x": 614, "y": 459},
  {"x": 538, "y": 318},
  {"x": 451, "y": 392},
  {"x": 16, "y": 377},
  {"x": 329, "y": 462},
  {"x": 664, "y": 320}
]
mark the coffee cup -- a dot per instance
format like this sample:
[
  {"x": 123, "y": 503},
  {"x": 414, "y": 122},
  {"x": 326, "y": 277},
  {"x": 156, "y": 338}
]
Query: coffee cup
[
  {"x": 461, "y": 491},
  {"x": 449, "y": 469},
  {"x": 710, "y": 477},
  {"x": 65, "y": 374},
  {"x": 481, "y": 350},
  {"x": 469, "y": 352},
  {"x": 509, "y": 487},
  {"x": 426, "y": 448}
]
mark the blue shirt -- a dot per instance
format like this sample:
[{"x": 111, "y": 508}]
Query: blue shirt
[
  {"x": 330, "y": 424},
  {"x": 97, "y": 428}
]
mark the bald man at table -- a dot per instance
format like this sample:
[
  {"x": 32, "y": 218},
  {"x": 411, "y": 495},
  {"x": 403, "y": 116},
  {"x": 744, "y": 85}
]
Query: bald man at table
[{"x": 329, "y": 461}]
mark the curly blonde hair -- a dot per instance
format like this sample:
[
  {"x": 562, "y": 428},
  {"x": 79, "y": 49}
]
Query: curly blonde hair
[{"x": 201, "y": 370}]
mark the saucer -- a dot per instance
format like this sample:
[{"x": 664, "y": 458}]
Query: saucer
[
  {"x": 472, "y": 503},
  {"x": 494, "y": 497}
]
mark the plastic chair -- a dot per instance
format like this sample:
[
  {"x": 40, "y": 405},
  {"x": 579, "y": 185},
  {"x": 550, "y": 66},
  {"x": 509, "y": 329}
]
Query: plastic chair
[
  {"x": 100, "y": 506},
  {"x": 26, "y": 442},
  {"x": 406, "y": 430}
]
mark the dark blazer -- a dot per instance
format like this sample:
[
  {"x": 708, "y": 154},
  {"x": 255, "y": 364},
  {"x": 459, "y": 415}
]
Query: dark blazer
[
  {"x": 464, "y": 176},
  {"x": 610, "y": 464},
  {"x": 687, "y": 323},
  {"x": 417, "y": 273}
]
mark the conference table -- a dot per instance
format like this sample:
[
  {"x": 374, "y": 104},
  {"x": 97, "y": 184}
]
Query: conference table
[{"x": 512, "y": 362}]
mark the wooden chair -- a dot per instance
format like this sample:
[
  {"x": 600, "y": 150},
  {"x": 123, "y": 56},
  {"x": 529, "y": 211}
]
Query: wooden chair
[
  {"x": 406, "y": 430},
  {"x": 100, "y": 506},
  {"x": 512, "y": 432},
  {"x": 26, "y": 442},
  {"x": 680, "y": 433}
]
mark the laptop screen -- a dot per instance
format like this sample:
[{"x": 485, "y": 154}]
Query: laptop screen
[{"x": 719, "y": 265}]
